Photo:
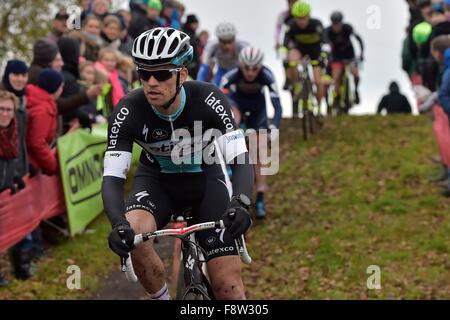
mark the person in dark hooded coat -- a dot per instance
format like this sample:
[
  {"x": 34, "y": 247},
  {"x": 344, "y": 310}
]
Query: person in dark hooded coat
[
  {"x": 70, "y": 51},
  {"x": 394, "y": 102}
]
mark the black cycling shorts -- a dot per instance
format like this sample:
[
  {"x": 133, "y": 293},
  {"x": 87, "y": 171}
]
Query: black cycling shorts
[
  {"x": 207, "y": 193},
  {"x": 312, "y": 51}
]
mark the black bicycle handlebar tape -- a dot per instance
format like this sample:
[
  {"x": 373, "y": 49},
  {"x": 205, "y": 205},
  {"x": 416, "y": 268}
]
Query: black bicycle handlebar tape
[
  {"x": 112, "y": 195},
  {"x": 243, "y": 175}
]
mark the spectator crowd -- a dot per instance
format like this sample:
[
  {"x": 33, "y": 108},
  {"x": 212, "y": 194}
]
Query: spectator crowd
[{"x": 426, "y": 60}]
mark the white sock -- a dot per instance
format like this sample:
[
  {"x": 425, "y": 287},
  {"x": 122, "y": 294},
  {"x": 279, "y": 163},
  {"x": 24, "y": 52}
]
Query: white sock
[{"x": 162, "y": 294}]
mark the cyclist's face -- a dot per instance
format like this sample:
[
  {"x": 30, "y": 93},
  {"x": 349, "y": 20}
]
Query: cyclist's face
[
  {"x": 437, "y": 56},
  {"x": 302, "y": 22},
  {"x": 250, "y": 73},
  {"x": 159, "y": 92},
  {"x": 337, "y": 27},
  {"x": 226, "y": 45}
]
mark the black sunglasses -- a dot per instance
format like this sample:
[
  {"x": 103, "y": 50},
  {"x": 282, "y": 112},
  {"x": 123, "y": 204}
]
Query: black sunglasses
[
  {"x": 225, "y": 42},
  {"x": 159, "y": 75},
  {"x": 254, "y": 68}
]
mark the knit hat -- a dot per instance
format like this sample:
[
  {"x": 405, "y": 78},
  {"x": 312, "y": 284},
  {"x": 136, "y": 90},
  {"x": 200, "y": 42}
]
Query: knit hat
[
  {"x": 15, "y": 67},
  {"x": 50, "y": 80},
  {"x": 155, "y": 4},
  {"x": 44, "y": 52},
  {"x": 191, "y": 18}
]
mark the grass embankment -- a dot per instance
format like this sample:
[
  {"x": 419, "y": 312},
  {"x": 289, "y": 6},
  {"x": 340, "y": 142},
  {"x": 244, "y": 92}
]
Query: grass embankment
[{"x": 356, "y": 195}]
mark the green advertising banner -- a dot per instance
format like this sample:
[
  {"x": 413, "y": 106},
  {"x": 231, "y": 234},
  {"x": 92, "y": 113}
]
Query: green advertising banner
[
  {"x": 81, "y": 156},
  {"x": 81, "y": 161}
]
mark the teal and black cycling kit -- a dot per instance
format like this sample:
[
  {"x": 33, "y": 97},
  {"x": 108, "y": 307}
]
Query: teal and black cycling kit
[{"x": 175, "y": 171}]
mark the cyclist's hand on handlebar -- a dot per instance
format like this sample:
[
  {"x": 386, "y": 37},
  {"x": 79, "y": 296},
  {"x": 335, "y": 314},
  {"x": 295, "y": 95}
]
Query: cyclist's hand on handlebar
[
  {"x": 236, "y": 219},
  {"x": 120, "y": 233}
]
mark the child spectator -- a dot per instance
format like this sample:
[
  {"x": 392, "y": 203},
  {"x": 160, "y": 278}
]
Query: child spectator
[
  {"x": 42, "y": 122},
  {"x": 108, "y": 59},
  {"x": 90, "y": 36},
  {"x": 100, "y": 8},
  {"x": 111, "y": 32},
  {"x": 89, "y": 76}
]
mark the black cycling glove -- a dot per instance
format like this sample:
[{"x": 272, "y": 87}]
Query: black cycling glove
[
  {"x": 121, "y": 231},
  {"x": 236, "y": 219}
]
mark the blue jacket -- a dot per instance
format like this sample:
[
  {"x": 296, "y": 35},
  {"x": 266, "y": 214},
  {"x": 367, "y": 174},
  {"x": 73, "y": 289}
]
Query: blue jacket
[{"x": 444, "y": 91}]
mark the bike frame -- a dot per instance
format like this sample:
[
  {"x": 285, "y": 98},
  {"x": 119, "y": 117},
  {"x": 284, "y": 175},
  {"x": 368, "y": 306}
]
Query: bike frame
[{"x": 195, "y": 279}]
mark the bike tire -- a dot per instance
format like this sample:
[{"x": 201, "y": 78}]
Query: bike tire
[{"x": 347, "y": 99}]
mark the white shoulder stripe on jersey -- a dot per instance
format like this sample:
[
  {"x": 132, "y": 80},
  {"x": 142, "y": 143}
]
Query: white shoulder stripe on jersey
[
  {"x": 232, "y": 145},
  {"x": 117, "y": 164}
]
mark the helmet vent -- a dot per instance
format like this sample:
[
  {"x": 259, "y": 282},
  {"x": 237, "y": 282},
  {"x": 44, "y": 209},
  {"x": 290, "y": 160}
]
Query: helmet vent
[
  {"x": 161, "y": 45},
  {"x": 173, "y": 46},
  {"x": 151, "y": 43}
]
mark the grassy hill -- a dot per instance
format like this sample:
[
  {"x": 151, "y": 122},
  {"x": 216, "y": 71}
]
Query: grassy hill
[{"x": 356, "y": 195}]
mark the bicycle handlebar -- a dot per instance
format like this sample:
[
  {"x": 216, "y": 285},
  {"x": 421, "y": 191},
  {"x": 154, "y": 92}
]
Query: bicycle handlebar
[{"x": 127, "y": 265}]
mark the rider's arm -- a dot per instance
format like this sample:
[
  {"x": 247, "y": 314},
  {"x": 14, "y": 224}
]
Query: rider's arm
[
  {"x": 116, "y": 165},
  {"x": 360, "y": 41},
  {"x": 231, "y": 143},
  {"x": 274, "y": 97},
  {"x": 278, "y": 27},
  {"x": 206, "y": 62}
]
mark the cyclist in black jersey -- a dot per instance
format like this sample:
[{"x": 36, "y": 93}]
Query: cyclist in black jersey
[
  {"x": 187, "y": 134},
  {"x": 342, "y": 52},
  {"x": 304, "y": 37}
]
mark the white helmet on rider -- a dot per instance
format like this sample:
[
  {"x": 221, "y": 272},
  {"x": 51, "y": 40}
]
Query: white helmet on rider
[
  {"x": 226, "y": 31},
  {"x": 162, "y": 46},
  {"x": 251, "y": 56}
]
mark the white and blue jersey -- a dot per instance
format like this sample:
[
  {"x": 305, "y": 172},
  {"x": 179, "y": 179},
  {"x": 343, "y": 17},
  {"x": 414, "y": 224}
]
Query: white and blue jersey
[{"x": 249, "y": 96}]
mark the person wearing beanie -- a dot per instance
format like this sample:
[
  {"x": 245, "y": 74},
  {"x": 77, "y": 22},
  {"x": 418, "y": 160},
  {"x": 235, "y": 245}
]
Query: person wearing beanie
[
  {"x": 45, "y": 53},
  {"x": 190, "y": 28},
  {"x": 14, "y": 80},
  {"x": 144, "y": 16},
  {"x": 42, "y": 122},
  {"x": 70, "y": 52}
]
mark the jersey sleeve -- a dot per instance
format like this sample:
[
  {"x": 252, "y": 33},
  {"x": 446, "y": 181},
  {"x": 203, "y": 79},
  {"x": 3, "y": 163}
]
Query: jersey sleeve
[
  {"x": 231, "y": 142},
  {"x": 120, "y": 143},
  {"x": 229, "y": 79},
  {"x": 274, "y": 95}
]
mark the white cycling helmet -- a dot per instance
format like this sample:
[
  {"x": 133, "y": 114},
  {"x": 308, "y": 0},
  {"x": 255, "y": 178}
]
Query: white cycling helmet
[
  {"x": 226, "y": 31},
  {"x": 162, "y": 46},
  {"x": 251, "y": 56}
]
